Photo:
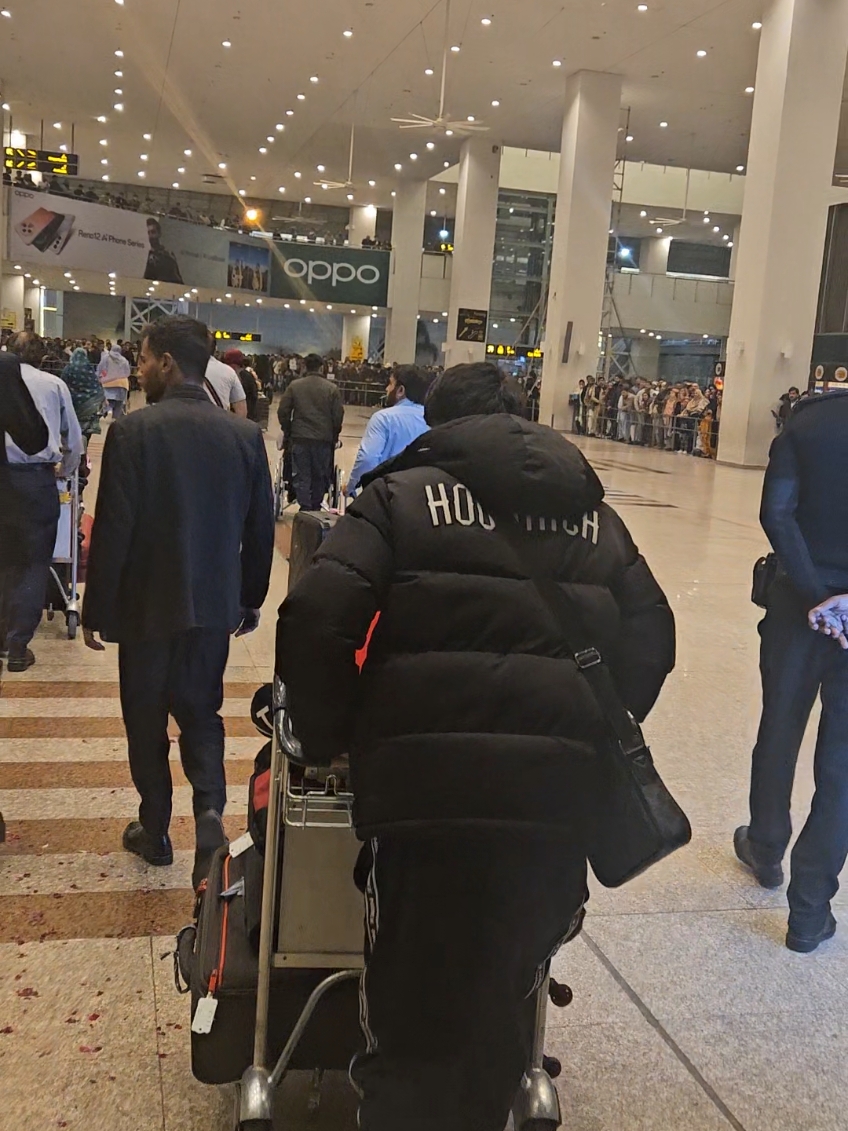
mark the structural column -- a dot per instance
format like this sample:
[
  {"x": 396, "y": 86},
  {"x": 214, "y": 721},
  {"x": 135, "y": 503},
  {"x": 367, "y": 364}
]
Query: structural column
[
  {"x": 405, "y": 283},
  {"x": 794, "y": 127},
  {"x": 474, "y": 242},
  {"x": 356, "y": 332},
  {"x": 581, "y": 237},
  {"x": 653, "y": 259}
]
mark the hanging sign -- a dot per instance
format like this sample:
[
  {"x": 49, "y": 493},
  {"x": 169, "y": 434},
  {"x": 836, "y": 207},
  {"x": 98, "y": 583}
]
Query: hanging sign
[
  {"x": 41, "y": 161},
  {"x": 471, "y": 325}
]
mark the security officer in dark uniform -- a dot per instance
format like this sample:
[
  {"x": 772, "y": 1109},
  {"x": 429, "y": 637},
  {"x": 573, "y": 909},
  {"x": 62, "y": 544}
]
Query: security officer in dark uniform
[{"x": 805, "y": 515}]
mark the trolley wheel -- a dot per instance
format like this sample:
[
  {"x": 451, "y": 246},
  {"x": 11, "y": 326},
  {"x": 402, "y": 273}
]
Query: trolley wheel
[
  {"x": 51, "y": 614},
  {"x": 560, "y": 994},
  {"x": 552, "y": 1066},
  {"x": 73, "y": 625}
]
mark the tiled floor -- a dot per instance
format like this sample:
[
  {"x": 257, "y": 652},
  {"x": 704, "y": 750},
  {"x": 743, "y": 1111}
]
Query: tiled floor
[{"x": 689, "y": 1014}]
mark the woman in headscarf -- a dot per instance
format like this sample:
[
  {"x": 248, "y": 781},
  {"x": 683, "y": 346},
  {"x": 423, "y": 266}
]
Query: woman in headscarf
[{"x": 86, "y": 392}]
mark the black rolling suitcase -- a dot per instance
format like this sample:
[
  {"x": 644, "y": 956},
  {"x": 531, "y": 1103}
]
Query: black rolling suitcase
[
  {"x": 218, "y": 960},
  {"x": 262, "y": 411},
  {"x": 309, "y": 530}
]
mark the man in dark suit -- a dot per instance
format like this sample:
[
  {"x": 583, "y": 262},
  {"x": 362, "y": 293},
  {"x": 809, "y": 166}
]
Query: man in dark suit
[{"x": 180, "y": 559}]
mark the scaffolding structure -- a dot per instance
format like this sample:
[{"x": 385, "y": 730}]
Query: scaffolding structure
[{"x": 614, "y": 358}]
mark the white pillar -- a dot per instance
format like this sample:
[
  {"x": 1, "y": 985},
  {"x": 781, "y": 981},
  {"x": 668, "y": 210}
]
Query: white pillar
[
  {"x": 405, "y": 282},
  {"x": 12, "y": 294},
  {"x": 356, "y": 331},
  {"x": 362, "y": 225},
  {"x": 653, "y": 258},
  {"x": 794, "y": 127},
  {"x": 734, "y": 251},
  {"x": 474, "y": 242},
  {"x": 32, "y": 301},
  {"x": 581, "y": 237},
  {"x": 645, "y": 357}
]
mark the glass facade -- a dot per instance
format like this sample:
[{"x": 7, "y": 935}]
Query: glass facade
[{"x": 523, "y": 241}]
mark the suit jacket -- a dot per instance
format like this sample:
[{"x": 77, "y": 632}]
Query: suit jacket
[{"x": 183, "y": 533}]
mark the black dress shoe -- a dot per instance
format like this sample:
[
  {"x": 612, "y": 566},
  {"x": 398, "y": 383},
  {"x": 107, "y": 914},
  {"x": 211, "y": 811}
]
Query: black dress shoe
[
  {"x": 766, "y": 875},
  {"x": 20, "y": 661},
  {"x": 806, "y": 944},
  {"x": 155, "y": 850},
  {"x": 210, "y": 836}
]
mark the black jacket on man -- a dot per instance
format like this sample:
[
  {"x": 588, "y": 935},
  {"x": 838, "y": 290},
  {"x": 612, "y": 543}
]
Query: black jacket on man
[
  {"x": 311, "y": 410},
  {"x": 468, "y": 708},
  {"x": 804, "y": 508},
  {"x": 183, "y": 535}
]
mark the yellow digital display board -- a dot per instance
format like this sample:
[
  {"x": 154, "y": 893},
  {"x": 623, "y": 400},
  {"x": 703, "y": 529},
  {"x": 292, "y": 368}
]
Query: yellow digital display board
[{"x": 41, "y": 161}]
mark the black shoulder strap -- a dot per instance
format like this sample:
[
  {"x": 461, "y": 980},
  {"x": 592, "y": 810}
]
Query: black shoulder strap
[
  {"x": 211, "y": 390},
  {"x": 590, "y": 663}
]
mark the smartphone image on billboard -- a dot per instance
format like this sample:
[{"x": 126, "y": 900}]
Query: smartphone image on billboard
[
  {"x": 64, "y": 233},
  {"x": 40, "y": 229}
]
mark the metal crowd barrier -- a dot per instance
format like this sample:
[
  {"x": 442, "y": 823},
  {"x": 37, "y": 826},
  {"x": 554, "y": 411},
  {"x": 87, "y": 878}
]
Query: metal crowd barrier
[{"x": 692, "y": 435}]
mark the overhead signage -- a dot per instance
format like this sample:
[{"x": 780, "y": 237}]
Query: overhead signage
[
  {"x": 330, "y": 274},
  {"x": 471, "y": 325},
  {"x": 232, "y": 336},
  {"x": 41, "y": 161},
  {"x": 513, "y": 351}
]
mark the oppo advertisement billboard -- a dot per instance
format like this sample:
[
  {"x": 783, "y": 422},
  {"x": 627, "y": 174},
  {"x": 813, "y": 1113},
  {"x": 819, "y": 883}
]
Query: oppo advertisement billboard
[
  {"x": 330, "y": 274},
  {"x": 63, "y": 231}
]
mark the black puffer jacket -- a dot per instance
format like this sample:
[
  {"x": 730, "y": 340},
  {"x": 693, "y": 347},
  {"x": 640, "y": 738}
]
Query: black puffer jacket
[{"x": 468, "y": 707}]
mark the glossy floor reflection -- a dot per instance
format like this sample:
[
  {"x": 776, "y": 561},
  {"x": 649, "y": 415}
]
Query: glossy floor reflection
[{"x": 689, "y": 1014}]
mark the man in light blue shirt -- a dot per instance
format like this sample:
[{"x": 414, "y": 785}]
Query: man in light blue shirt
[
  {"x": 393, "y": 428},
  {"x": 32, "y": 479}
]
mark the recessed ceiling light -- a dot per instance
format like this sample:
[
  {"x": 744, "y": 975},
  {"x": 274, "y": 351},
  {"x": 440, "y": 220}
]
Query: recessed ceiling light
[
  {"x": 749, "y": 90},
  {"x": 756, "y": 25},
  {"x": 226, "y": 43},
  {"x": 282, "y": 188},
  {"x": 298, "y": 175},
  {"x": 76, "y": 288},
  {"x": 350, "y": 196},
  {"x": 313, "y": 78},
  {"x": 373, "y": 184},
  {"x": 394, "y": 193},
  {"x": 119, "y": 74},
  {"x": 263, "y": 148},
  {"x": 147, "y": 137},
  {"x": 324, "y": 185},
  {"x": 104, "y": 141},
  {"x": 280, "y": 127},
  {"x": 442, "y": 191},
  {"x": 227, "y": 294},
  {"x": 629, "y": 137},
  {"x": 641, "y": 7},
  {"x": 101, "y": 118},
  {"x": 143, "y": 157},
  {"x": 557, "y": 62},
  {"x": 104, "y": 160},
  {"x": 301, "y": 98},
  {"x": 707, "y": 220},
  {"x": 495, "y": 102},
  {"x": 219, "y": 300},
  {"x": 175, "y": 184},
  {"x": 433, "y": 212},
  {"x": 289, "y": 113},
  {"x": 448, "y": 133},
  {"x": 320, "y": 168},
  {"x": 447, "y": 164},
  {"x": 141, "y": 173},
  {"x": 725, "y": 236},
  {"x": 659, "y": 231},
  {"x": 181, "y": 169},
  {"x": 470, "y": 118},
  {"x": 701, "y": 53},
  {"x": 413, "y": 157},
  {"x": 307, "y": 200},
  {"x": 730, "y": 244},
  {"x": 113, "y": 274},
  {"x": 486, "y": 21},
  {"x": 663, "y": 125},
  {"x": 57, "y": 125},
  {"x": 716, "y": 228},
  {"x": 222, "y": 164},
  {"x": 643, "y": 213},
  {"x": 455, "y": 48},
  {"x": 740, "y": 168},
  {"x": 428, "y": 70},
  {"x": 118, "y": 90},
  {"x": 253, "y": 178},
  {"x": 5, "y": 12},
  {"x": 347, "y": 33},
  {"x": 398, "y": 166},
  {"x": 105, "y": 177},
  {"x": 119, "y": 106},
  {"x": 431, "y": 145},
  {"x": 242, "y": 192},
  {"x": 119, "y": 54}
]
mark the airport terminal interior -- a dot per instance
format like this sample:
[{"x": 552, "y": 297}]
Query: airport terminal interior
[{"x": 648, "y": 200}]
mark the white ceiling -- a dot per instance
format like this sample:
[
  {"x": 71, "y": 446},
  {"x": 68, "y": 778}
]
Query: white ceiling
[{"x": 182, "y": 86}]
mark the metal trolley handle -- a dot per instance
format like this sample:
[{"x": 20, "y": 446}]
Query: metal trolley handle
[{"x": 308, "y": 804}]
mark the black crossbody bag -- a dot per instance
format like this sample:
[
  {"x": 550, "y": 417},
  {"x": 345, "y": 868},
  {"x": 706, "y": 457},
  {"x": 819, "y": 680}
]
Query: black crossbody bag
[{"x": 635, "y": 821}]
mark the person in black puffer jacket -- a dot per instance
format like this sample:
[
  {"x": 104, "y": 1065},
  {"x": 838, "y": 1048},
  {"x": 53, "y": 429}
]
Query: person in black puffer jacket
[{"x": 470, "y": 731}]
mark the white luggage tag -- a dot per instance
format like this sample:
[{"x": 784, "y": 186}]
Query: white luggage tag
[
  {"x": 241, "y": 845},
  {"x": 204, "y": 1015}
]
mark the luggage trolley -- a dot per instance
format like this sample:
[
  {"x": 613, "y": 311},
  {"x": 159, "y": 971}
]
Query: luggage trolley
[
  {"x": 312, "y": 917},
  {"x": 66, "y": 553}
]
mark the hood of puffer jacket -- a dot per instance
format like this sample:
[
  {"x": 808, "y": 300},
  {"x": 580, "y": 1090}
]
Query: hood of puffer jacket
[{"x": 510, "y": 465}]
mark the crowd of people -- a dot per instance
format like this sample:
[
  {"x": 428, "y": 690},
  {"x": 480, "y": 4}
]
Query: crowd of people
[{"x": 680, "y": 417}]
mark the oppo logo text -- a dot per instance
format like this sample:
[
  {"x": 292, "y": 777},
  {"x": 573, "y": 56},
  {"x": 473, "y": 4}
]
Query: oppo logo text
[{"x": 319, "y": 271}]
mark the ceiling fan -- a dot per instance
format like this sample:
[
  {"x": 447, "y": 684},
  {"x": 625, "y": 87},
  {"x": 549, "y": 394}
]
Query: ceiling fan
[
  {"x": 442, "y": 121},
  {"x": 348, "y": 184},
  {"x": 673, "y": 221}
]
